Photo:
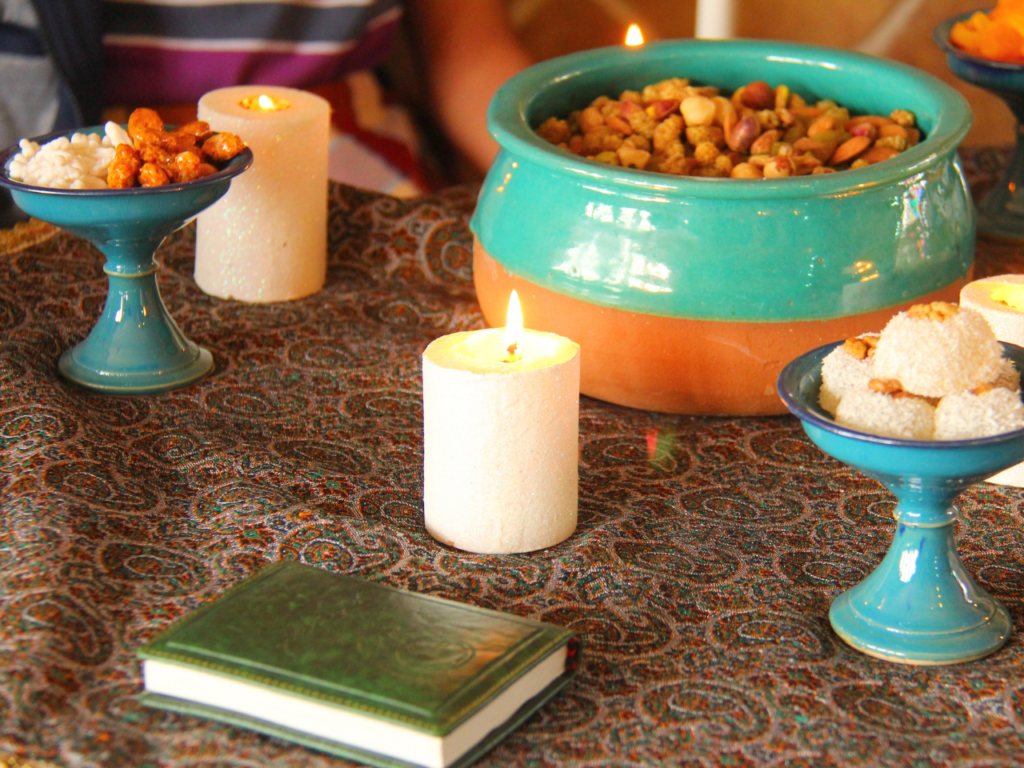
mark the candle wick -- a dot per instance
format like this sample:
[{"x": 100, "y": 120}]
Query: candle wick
[{"x": 512, "y": 356}]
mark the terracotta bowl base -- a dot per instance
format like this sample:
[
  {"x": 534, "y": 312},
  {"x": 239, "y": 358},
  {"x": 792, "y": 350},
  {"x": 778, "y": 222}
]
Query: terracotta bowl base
[{"x": 671, "y": 364}]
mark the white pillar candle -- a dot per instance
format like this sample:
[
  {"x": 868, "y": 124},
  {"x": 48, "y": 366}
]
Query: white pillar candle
[
  {"x": 266, "y": 239},
  {"x": 715, "y": 19},
  {"x": 1001, "y": 301},
  {"x": 500, "y": 440}
]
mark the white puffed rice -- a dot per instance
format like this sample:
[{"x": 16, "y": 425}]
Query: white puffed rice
[
  {"x": 965, "y": 416},
  {"x": 935, "y": 358},
  {"x": 905, "y": 418},
  {"x": 80, "y": 162},
  {"x": 1008, "y": 378},
  {"x": 841, "y": 372}
]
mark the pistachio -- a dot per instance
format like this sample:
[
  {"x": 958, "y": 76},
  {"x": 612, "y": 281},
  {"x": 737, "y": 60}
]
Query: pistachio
[
  {"x": 758, "y": 95},
  {"x": 743, "y": 134},
  {"x": 675, "y": 127}
]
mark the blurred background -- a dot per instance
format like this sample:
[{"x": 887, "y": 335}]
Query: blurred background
[{"x": 896, "y": 29}]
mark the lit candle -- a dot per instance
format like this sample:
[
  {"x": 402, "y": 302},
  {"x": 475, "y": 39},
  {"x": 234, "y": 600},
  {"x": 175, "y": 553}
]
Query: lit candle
[
  {"x": 501, "y": 438},
  {"x": 266, "y": 239},
  {"x": 634, "y": 36},
  {"x": 1001, "y": 301}
]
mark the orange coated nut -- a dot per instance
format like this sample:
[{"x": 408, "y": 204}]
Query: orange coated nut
[
  {"x": 159, "y": 157},
  {"x": 153, "y": 175}
]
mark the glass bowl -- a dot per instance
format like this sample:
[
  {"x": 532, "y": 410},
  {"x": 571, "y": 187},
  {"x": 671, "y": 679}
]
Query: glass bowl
[
  {"x": 687, "y": 294},
  {"x": 1001, "y": 211}
]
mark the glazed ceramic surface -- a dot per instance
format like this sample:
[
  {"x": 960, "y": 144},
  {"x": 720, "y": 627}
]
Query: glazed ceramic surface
[
  {"x": 1001, "y": 212},
  {"x": 920, "y": 605},
  {"x": 135, "y": 346},
  {"x": 750, "y": 273},
  {"x": 727, "y": 249}
]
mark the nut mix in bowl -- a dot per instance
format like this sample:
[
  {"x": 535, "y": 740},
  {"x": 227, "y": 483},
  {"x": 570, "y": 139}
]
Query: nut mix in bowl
[
  {"x": 759, "y": 132},
  {"x": 689, "y": 294}
]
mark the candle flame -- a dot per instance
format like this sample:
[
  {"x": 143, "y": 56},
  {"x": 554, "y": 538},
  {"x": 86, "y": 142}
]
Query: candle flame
[
  {"x": 634, "y": 36},
  {"x": 513, "y": 328},
  {"x": 264, "y": 103}
]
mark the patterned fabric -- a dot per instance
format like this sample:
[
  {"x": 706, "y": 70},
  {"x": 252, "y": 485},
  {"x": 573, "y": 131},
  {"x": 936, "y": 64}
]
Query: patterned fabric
[
  {"x": 707, "y": 552},
  {"x": 162, "y": 51}
]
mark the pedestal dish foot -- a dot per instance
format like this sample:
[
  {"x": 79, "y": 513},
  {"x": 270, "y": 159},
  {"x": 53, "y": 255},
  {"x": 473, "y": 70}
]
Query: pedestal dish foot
[{"x": 920, "y": 605}]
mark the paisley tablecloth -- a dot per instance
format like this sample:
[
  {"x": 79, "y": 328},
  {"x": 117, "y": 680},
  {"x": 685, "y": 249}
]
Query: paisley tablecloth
[{"x": 707, "y": 553}]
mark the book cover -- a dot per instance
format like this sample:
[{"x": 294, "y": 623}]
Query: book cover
[{"x": 415, "y": 661}]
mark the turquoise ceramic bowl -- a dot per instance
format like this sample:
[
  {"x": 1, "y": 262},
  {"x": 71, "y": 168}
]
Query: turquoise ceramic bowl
[
  {"x": 1001, "y": 212},
  {"x": 135, "y": 348},
  {"x": 718, "y": 255},
  {"x": 920, "y": 605}
]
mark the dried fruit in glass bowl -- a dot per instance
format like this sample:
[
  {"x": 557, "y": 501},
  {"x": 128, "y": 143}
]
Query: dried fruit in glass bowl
[{"x": 997, "y": 35}]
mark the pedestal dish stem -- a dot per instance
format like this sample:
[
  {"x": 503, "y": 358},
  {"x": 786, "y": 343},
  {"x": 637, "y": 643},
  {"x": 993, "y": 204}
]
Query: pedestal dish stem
[
  {"x": 135, "y": 346},
  {"x": 920, "y": 605}
]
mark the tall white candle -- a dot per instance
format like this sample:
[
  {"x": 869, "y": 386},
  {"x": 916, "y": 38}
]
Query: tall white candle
[
  {"x": 266, "y": 239},
  {"x": 500, "y": 440},
  {"x": 715, "y": 19},
  {"x": 1001, "y": 301}
]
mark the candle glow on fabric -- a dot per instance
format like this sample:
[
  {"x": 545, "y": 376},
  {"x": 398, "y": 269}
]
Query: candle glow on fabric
[{"x": 634, "y": 36}]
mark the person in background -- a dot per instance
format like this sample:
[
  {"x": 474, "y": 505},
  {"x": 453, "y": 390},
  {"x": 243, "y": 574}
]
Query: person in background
[{"x": 72, "y": 63}]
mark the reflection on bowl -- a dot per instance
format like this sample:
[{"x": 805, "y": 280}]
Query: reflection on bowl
[{"x": 689, "y": 294}]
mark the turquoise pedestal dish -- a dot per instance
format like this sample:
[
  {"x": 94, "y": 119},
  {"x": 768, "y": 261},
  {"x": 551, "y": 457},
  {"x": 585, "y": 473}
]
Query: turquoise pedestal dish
[
  {"x": 920, "y": 605},
  {"x": 689, "y": 294},
  {"x": 1001, "y": 211},
  {"x": 135, "y": 347}
]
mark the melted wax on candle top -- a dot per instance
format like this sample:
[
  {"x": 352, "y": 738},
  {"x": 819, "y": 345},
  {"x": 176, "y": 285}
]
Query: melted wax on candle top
[
  {"x": 1010, "y": 295},
  {"x": 264, "y": 103},
  {"x": 485, "y": 351}
]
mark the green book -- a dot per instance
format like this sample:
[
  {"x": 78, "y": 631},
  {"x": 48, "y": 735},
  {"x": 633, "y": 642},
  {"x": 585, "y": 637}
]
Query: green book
[{"x": 356, "y": 669}]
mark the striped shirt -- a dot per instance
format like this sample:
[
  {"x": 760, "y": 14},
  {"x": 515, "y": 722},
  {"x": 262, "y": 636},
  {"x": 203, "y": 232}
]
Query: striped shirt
[{"x": 162, "y": 51}]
